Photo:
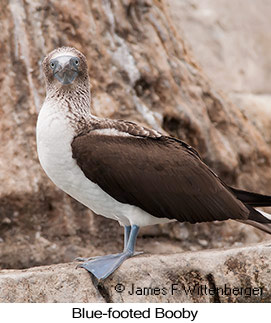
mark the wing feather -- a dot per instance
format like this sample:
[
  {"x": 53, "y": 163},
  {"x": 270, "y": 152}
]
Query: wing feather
[{"x": 160, "y": 175}]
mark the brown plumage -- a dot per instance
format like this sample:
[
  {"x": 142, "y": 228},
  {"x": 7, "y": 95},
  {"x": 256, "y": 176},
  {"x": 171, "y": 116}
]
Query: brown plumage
[{"x": 159, "y": 175}]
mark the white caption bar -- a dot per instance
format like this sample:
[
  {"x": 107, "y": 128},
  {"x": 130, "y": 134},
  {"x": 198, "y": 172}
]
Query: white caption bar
[{"x": 133, "y": 312}]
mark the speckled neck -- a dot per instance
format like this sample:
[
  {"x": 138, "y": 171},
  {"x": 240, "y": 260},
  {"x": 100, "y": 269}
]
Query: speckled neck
[{"x": 75, "y": 103}]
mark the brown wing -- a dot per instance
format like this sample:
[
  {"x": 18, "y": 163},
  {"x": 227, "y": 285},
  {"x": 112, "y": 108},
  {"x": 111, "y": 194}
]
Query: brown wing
[{"x": 161, "y": 176}]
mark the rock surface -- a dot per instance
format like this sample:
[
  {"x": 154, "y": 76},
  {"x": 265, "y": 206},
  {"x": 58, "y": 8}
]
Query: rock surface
[
  {"x": 233, "y": 275},
  {"x": 141, "y": 70},
  {"x": 256, "y": 107},
  {"x": 230, "y": 40}
]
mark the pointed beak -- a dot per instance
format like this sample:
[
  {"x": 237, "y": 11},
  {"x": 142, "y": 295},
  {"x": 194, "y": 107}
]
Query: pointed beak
[{"x": 65, "y": 68}]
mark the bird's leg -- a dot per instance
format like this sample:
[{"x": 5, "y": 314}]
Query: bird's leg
[
  {"x": 104, "y": 266},
  {"x": 127, "y": 230},
  {"x": 130, "y": 245}
]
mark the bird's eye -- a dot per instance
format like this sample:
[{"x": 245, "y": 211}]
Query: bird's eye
[
  {"x": 76, "y": 61},
  {"x": 52, "y": 65}
]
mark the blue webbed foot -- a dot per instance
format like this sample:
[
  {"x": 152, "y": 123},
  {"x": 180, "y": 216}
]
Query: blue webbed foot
[
  {"x": 103, "y": 266},
  {"x": 91, "y": 258}
]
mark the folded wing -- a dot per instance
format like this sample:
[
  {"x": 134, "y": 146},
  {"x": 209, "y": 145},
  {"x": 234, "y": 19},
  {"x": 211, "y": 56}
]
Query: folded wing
[{"x": 161, "y": 175}]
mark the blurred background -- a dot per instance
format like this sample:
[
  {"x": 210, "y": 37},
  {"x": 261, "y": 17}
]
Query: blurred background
[{"x": 195, "y": 69}]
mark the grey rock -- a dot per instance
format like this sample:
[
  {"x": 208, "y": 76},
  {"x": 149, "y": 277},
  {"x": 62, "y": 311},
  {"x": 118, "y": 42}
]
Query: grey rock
[
  {"x": 230, "y": 40},
  {"x": 231, "y": 275}
]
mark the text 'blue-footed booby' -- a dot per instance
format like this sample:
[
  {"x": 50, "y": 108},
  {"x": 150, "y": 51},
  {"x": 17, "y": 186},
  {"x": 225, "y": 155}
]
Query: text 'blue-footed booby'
[{"x": 124, "y": 171}]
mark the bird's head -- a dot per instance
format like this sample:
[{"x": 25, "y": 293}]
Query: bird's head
[{"x": 65, "y": 67}]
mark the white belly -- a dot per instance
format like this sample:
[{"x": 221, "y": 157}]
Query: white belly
[{"x": 54, "y": 137}]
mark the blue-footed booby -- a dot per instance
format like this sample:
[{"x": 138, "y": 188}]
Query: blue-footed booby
[{"x": 124, "y": 171}]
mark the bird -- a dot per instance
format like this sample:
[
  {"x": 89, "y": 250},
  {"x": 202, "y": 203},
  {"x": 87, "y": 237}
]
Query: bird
[{"x": 125, "y": 171}]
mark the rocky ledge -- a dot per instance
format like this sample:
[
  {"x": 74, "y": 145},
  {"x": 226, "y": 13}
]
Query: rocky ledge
[{"x": 232, "y": 275}]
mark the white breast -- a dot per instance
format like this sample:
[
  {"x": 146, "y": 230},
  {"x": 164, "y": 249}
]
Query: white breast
[{"x": 54, "y": 137}]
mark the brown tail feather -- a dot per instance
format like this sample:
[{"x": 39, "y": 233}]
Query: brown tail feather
[
  {"x": 250, "y": 198},
  {"x": 256, "y": 218},
  {"x": 266, "y": 227},
  {"x": 257, "y": 215}
]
